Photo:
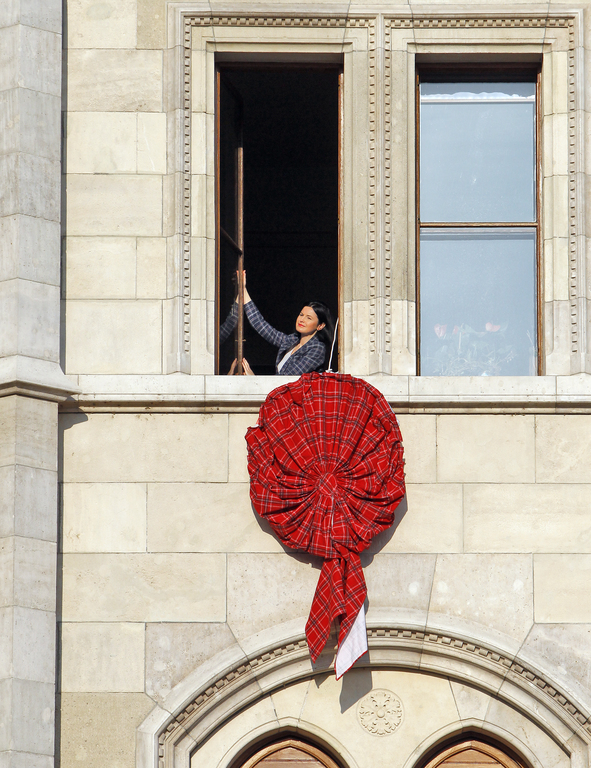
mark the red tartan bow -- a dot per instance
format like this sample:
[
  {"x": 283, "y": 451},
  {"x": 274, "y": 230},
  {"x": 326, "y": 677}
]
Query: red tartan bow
[{"x": 326, "y": 471}]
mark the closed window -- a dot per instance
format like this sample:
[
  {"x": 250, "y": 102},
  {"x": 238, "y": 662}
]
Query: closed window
[
  {"x": 289, "y": 753},
  {"x": 478, "y": 227}
]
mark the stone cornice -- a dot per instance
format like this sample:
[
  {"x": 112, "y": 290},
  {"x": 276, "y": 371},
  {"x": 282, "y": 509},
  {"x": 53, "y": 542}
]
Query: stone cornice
[
  {"x": 29, "y": 376},
  {"x": 182, "y": 392}
]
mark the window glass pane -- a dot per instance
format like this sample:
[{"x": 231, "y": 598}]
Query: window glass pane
[
  {"x": 477, "y": 152},
  {"x": 478, "y": 307}
]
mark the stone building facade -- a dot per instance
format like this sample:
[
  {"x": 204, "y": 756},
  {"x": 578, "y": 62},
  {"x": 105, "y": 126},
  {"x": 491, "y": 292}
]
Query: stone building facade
[{"x": 148, "y": 618}]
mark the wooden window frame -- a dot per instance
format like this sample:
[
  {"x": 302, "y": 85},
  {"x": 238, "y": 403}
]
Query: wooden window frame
[
  {"x": 276, "y": 746},
  {"x": 455, "y": 70},
  {"x": 505, "y": 757}
]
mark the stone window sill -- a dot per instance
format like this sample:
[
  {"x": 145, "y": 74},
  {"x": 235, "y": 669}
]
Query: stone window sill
[{"x": 405, "y": 393}]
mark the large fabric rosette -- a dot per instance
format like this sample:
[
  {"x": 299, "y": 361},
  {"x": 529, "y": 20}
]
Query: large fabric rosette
[{"x": 326, "y": 470}]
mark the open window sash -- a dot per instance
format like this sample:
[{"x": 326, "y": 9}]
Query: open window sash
[{"x": 230, "y": 206}]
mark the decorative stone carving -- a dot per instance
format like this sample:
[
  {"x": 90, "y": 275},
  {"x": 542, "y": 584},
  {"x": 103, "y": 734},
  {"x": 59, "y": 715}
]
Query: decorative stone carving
[
  {"x": 380, "y": 271},
  {"x": 429, "y": 643},
  {"x": 380, "y": 712}
]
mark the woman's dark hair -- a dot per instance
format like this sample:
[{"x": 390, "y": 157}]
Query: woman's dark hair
[{"x": 325, "y": 335}]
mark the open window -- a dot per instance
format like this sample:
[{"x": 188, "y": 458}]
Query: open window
[
  {"x": 478, "y": 221},
  {"x": 278, "y": 129}
]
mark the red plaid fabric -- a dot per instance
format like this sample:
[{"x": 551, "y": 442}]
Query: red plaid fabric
[{"x": 326, "y": 471}]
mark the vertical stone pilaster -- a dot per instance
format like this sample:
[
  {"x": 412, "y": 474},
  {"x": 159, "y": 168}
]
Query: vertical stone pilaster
[
  {"x": 31, "y": 381},
  {"x": 28, "y": 558}
]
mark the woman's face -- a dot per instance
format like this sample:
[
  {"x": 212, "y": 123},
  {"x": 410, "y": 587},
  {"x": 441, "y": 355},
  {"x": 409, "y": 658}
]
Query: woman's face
[{"x": 307, "y": 322}]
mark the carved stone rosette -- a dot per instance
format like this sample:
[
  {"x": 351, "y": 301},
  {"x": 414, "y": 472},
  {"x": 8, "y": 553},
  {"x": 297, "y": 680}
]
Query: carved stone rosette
[{"x": 380, "y": 712}]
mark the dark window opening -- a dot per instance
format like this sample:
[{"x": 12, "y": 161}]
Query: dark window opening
[{"x": 286, "y": 120}]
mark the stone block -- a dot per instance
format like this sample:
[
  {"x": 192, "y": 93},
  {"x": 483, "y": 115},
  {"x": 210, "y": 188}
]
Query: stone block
[
  {"x": 102, "y": 658},
  {"x": 28, "y": 433},
  {"x": 420, "y": 447},
  {"x": 483, "y": 448},
  {"x": 151, "y": 24},
  {"x": 164, "y": 448},
  {"x": 109, "y": 24},
  {"x": 560, "y": 94},
  {"x": 237, "y": 454},
  {"x": 430, "y": 519},
  {"x": 401, "y": 581},
  {"x": 199, "y": 205},
  {"x": 565, "y": 648},
  {"x": 101, "y": 142},
  {"x": 151, "y": 268},
  {"x": 100, "y": 268},
  {"x": 563, "y": 448},
  {"x": 12, "y": 759},
  {"x": 560, "y": 144},
  {"x": 29, "y": 249},
  {"x": 151, "y": 142},
  {"x": 114, "y": 205},
  {"x": 163, "y": 587},
  {"x": 199, "y": 158},
  {"x": 104, "y": 517},
  {"x": 122, "y": 81},
  {"x": 28, "y": 568},
  {"x": 561, "y": 588},
  {"x": 527, "y": 518},
  {"x": 493, "y": 590},
  {"x": 28, "y": 502},
  {"x": 126, "y": 337},
  {"x": 47, "y": 15},
  {"x": 27, "y": 711},
  {"x": 29, "y": 316},
  {"x": 35, "y": 188},
  {"x": 531, "y": 736},
  {"x": 28, "y": 648},
  {"x": 472, "y": 704},
  {"x": 34, "y": 644},
  {"x": 560, "y": 269},
  {"x": 175, "y": 650},
  {"x": 267, "y": 589},
  {"x": 557, "y": 205},
  {"x": 30, "y": 58},
  {"x": 205, "y": 517},
  {"x": 97, "y": 728},
  {"x": 30, "y": 121}
]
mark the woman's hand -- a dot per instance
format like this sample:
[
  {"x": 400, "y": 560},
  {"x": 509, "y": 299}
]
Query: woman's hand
[
  {"x": 247, "y": 370},
  {"x": 246, "y": 294}
]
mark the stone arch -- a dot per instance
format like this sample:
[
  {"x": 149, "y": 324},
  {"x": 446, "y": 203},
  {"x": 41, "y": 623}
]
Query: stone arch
[{"x": 209, "y": 700}]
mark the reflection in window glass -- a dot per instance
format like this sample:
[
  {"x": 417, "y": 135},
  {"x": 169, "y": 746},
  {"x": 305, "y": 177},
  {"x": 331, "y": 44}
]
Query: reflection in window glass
[
  {"x": 477, "y": 152},
  {"x": 478, "y": 302}
]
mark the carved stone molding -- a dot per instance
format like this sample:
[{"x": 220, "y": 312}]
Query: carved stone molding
[
  {"x": 380, "y": 132},
  {"x": 429, "y": 652},
  {"x": 488, "y": 22},
  {"x": 186, "y": 213},
  {"x": 574, "y": 278},
  {"x": 305, "y": 22}
]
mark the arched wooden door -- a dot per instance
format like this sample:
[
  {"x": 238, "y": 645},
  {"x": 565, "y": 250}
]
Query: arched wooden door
[
  {"x": 473, "y": 753},
  {"x": 289, "y": 753}
]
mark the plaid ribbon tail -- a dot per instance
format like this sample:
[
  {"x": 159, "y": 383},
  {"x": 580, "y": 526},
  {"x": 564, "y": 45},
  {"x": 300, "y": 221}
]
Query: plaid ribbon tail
[{"x": 340, "y": 593}]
